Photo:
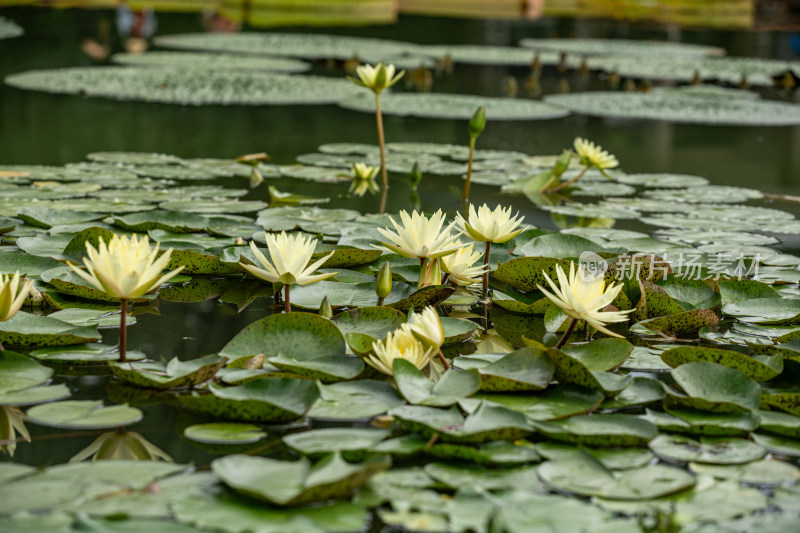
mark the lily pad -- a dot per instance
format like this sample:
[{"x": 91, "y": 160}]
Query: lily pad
[
  {"x": 199, "y": 60},
  {"x": 355, "y": 400},
  {"x": 24, "y": 329},
  {"x": 711, "y": 450},
  {"x": 295, "y": 482},
  {"x": 417, "y": 389},
  {"x": 83, "y": 354},
  {"x": 176, "y": 373},
  {"x": 758, "y": 368},
  {"x": 766, "y": 472},
  {"x": 224, "y": 433},
  {"x": 714, "y": 388},
  {"x": 570, "y": 369},
  {"x": 599, "y": 430},
  {"x": 524, "y": 369},
  {"x": 29, "y": 265},
  {"x": 18, "y": 372},
  {"x": 376, "y": 322},
  {"x": 340, "y": 440},
  {"x": 557, "y": 402},
  {"x": 83, "y": 414}
]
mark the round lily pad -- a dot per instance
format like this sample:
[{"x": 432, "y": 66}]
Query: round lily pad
[
  {"x": 711, "y": 450},
  {"x": 83, "y": 354},
  {"x": 524, "y": 369},
  {"x": 621, "y": 47},
  {"x": 187, "y": 87},
  {"x": 200, "y": 60},
  {"x": 355, "y": 400},
  {"x": 759, "y": 368},
  {"x": 19, "y": 372},
  {"x": 599, "y": 430},
  {"x": 176, "y": 373},
  {"x": 454, "y": 106},
  {"x": 327, "y": 440},
  {"x": 83, "y": 414},
  {"x": 675, "y": 106},
  {"x": 24, "y": 329},
  {"x": 224, "y": 433},
  {"x": 713, "y": 387},
  {"x": 767, "y": 472}
]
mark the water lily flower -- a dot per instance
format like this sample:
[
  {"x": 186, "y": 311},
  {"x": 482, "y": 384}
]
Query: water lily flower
[
  {"x": 461, "y": 266},
  {"x": 420, "y": 236},
  {"x": 13, "y": 291},
  {"x": 125, "y": 268},
  {"x": 399, "y": 344},
  {"x": 376, "y": 78},
  {"x": 487, "y": 225},
  {"x": 584, "y": 300},
  {"x": 593, "y": 155},
  {"x": 290, "y": 255},
  {"x": 427, "y": 327},
  {"x": 364, "y": 179}
]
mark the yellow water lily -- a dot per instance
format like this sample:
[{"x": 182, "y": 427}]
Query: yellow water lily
[
  {"x": 490, "y": 225},
  {"x": 126, "y": 267},
  {"x": 364, "y": 179},
  {"x": 462, "y": 268},
  {"x": 290, "y": 255},
  {"x": 593, "y": 155},
  {"x": 582, "y": 296},
  {"x": 399, "y": 344},
  {"x": 420, "y": 236},
  {"x": 13, "y": 291},
  {"x": 427, "y": 327},
  {"x": 377, "y": 78}
]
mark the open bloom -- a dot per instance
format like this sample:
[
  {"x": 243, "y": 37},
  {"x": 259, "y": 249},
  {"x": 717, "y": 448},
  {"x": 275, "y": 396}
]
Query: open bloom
[
  {"x": 427, "y": 328},
  {"x": 583, "y": 300},
  {"x": 399, "y": 344},
  {"x": 125, "y": 268},
  {"x": 490, "y": 225},
  {"x": 420, "y": 236},
  {"x": 378, "y": 77},
  {"x": 593, "y": 155},
  {"x": 290, "y": 255},
  {"x": 13, "y": 292},
  {"x": 364, "y": 179},
  {"x": 462, "y": 268}
]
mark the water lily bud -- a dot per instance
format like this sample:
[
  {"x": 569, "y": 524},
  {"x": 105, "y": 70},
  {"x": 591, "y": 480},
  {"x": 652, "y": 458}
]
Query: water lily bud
[
  {"x": 325, "y": 308},
  {"x": 562, "y": 163},
  {"x": 383, "y": 284},
  {"x": 415, "y": 176},
  {"x": 239, "y": 241},
  {"x": 477, "y": 122}
]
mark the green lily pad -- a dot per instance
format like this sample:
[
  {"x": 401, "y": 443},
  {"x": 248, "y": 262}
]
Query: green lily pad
[
  {"x": 758, "y": 368},
  {"x": 376, "y": 322},
  {"x": 599, "y": 430},
  {"x": 29, "y": 265},
  {"x": 47, "y": 218},
  {"x": 557, "y": 245},
  {"x": 684, "y": 324},
  {"x": 268, "y": 400},
  {"x": 524, "y": 369},
  {"x": 711, "y": 450},
  {"x": 327, "y": 369},
  {"x": 75, "y": 248},
  {"x": 457, "y": 477},
  {"x": 498, "y": 453},
  {"x": 18, "y": 372},
  {"x": 83, "y": 354},
  {"x": 570, "y": 369},
  {"x": 487, "y": 422},
  {"x": 586, "y": 476},
  {"x": 450, "y": 106},
  {"x": 354, "y": 400},
  {"x": 427, "y": 296},
  {"x": 175, "y": 373},
  {"x": 766, "y": 472},
  {"x": 602, "y": 355},
  {"x": 224, "y": 433},
  {"x": 778, "y": 423},
  {"x": 526, "y": 273},
  {"x": 83, "y": 414},
  {"x": 295, "y": 482},
  {"x": 642, "y": 391},
  {"x": 777, "y": 445},
  {"x": 34, "y": 395},
  {"x": 735, "y": 291},
  {"x": 340, "y": 440},
  {"x": 173, "y": 221},
  {"x": 638, "y": 49},
  {"x": 457, "y": 329},
  {"x": 24, "y": 329},
  {"x": 557, "y": 402},
  {"x": 534, "y": 303},
  {"x": 200, "y": 60},
  {"x": 346, "y": 294},
  {"x": 765, "y": 310},
  {"x": 694, "y": 422},
  {"x": 714, "y": 388},
  {"x": 611, "y": 458},
  {"x": 417, "y": 389},
  {"x": 345, "y": 256}
]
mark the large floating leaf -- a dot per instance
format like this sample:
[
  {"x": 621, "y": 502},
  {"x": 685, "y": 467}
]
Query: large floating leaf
[
  {"x": 355, "y": 400},
  {"x": 295, "y": 482},
  {"x": 83, "y": 414},
  {"x": 713, "y": 450},
  {"x": 687, "y": 323},
  {"x": 29, "y": 265},
  {"x": 675, "y": 106},
  {"x": 224, "y": 433},
  {"x": 621, "y": 47},
  {"x": 18, "y": 372},
  {"x": 174, "y": 221},
  {"x": 713, "y": 387},
  {"x": 188, "y": 87},
  {"x": 24, "y": 329},
  {"x": 759, "y": 368},
  {"x": 766, "y": 472},
  {"x": 524, "y": 369},
  {"x": 765, "y": 310},
  {"x": 457, "y": 477},
  {"x": 558, "y": 402},
  {"x": 694, "y": 422},
  {"x": 176, "y": 373},
  {"x": 347, "y": 294},
  {"x": 199, "y": 60},
  {"x": 83, "y": 354},
  {"x": 342, "y": 440},
  {"x": 453, "y": 106},
  {"x": 600, "y": 430},
  {"x": 527, "y": 273},
  {"x": 269, "y": 400},
  {"x": 376, "y": 322},
  {"x": 570, "y": 369},
  {"x": 417, "y": 389},
  {"x": 612, "y": 458},
  {"x": 585, "y": 476}
]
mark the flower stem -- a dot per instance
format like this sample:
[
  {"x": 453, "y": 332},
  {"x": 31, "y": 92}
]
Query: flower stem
[
  {"x": 287, "y": 306},
  {"x": 443, "y": 360},
  {"x": 486, "y": 270},
  {"x": 569, "y": 182},
  {"x": 445, "y": 278},
  {"x": 381, "y": 141},
  {"x": 422, "y": 268},
  {"x": 1, "y": 347},
  {"x": 567, "y": 333},
  {"x": 380, "y": 301},
  {"x": 123, "y": 340},
  {"x": 467, "y": 183}
]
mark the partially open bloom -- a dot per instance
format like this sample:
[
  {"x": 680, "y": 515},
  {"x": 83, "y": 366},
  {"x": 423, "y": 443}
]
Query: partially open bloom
[
  {"x": 290, "y": 256},
  {"x": 593, "y": 155},
  {"x": 462, "y": 268},
  {"x": 490, "y": 225},
  {"x": 126, "y": 268},
  {"x": 427, "y": 328},
  {"x": 584, "y": 300},
  {"x": 399, "y": 344},
  {"x": 13, "y": 292},
  {"x": 378, "y": 77},
  {"x": 364, "y": 179},
  {"x": 420, "y": 236}
]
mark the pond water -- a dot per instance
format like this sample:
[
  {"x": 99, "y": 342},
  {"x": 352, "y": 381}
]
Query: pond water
[{"x": 38, "y": 128}]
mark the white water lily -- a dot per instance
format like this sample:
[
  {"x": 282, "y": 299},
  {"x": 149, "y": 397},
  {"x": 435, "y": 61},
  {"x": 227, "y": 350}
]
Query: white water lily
[
  {"x": 584, "y": 300},
  {"x": 462, "y": 266},
  {"x": 593, "y": 155},
  {"x": 487, "y": 225},
  {"x": 399, "y": 344},
  {"x": 364, "y": 179},
  {"x": 125, "y": 267},
  {"x": 290, "y": 255},
  {"x": 378, "y": 77},
  {"x": 427, "y": 327},
  {"x": 13, "y": 291},
  {"x": 420, "y": 236}
]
